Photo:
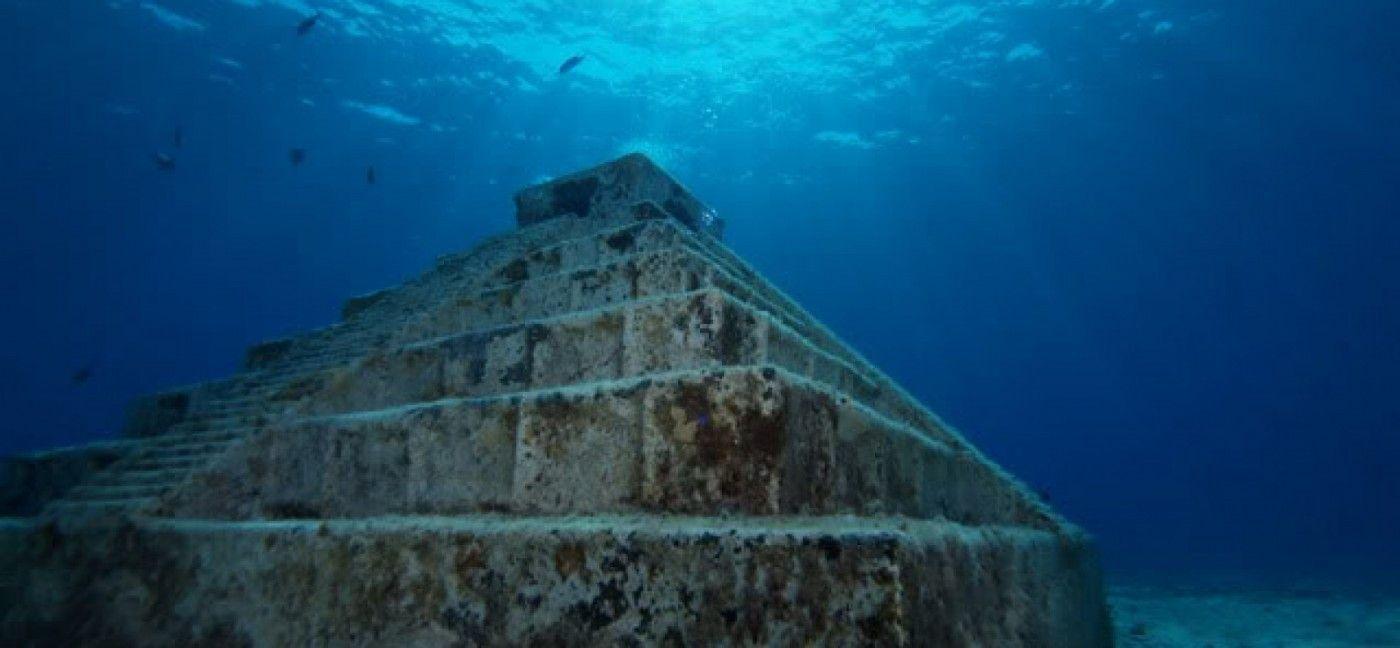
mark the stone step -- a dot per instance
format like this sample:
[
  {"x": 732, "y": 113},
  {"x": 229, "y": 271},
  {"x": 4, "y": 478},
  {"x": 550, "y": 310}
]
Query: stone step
[
  {"x": 240, "y": 412},
  {"x": 282, "y": 375},
  {"x": 692, "y": 330},
  {"x": 739, "y": 278},
  {"x": 409, "y": 299},
  {"x": 612, "y": 245},
  {"x": 71, "y": 508},
  {"x": 674, "y": 269},
  {"x": 633, "y": 277},
  {"x": 191, "y": 450},
  {"x": 745, "y": 440},
  {"x": 216, "y": 421},
  {"x": 589, "y": 251},
  {"x": 405, "y": 302},
  {"x": 228, "y": 434},
  {"x": 610, "y": 581},
  {"x": 624, "y": 278},
  {"x": 165, "y": 463},
  {"x": 88, "y": 492},
  {"x": 133, "y": 477},
  {"x": 196, "y": 427},
  {"x": 751, "y": 286},
  {"x": 251, "y": 400}
]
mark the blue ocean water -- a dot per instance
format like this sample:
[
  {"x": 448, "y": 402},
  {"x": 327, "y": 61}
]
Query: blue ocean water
[{"x": 1143, "y": 252}]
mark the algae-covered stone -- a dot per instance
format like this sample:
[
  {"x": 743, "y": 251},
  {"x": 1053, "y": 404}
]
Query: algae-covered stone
[{"x": 603, "y": 428}]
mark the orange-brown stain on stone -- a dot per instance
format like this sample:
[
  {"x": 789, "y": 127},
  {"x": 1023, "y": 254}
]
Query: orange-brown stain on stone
[
  {"x": 568, "y": 559},
  {"x": 468, "y": 560}
]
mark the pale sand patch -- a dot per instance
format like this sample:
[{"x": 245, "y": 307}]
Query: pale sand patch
[{"x": 1166, "y": 617}]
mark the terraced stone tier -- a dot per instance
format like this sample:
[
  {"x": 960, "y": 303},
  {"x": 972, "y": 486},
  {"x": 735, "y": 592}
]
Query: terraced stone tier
[
  {"x": 369, "y": 318},
  {"x": 629, "y": 277},
  {"x": 615, "y": 254},
  {"x": 693, "y": 330},
  {"x": 598, "y": 581},
  {"x": 747, "y": 440},
  {"x": 609, "y": 247}
]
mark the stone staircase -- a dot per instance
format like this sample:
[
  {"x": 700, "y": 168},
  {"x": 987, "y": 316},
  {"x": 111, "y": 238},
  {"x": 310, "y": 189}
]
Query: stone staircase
[
  {"x": 248, "y": 401},
  {"x": 155, "y": 464}
]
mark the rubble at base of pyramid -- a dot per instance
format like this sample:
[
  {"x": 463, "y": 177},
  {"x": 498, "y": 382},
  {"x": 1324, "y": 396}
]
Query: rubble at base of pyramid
[{"x": 602, "y": 428}]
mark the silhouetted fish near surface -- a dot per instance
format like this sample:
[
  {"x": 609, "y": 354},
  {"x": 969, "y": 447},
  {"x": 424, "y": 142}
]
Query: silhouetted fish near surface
[
  {"x": 571, "y": 63},
  {"x": 307, "y": 23},
  {"x": 83, "y": 374},
  {"x": 297, "y": 156},
  {"x": 370, "y": 176},
  {"x": 163, "y": 162}
]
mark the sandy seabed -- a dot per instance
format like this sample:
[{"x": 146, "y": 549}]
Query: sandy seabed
[{"x": 1224, "y": 617}]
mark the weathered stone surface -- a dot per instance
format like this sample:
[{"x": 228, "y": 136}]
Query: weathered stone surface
[
  {"x": 155, "y": 414},
  {"x": 690, "y": 330},
  {"x": 581, "y": 397},
  {"x": 28, "y": 482},
  {"x": 362, "y": 303},
  {"x": 618, "y": 184},
  {"x": 744, "y": 440},
  {"x": 555, "y": 581}
]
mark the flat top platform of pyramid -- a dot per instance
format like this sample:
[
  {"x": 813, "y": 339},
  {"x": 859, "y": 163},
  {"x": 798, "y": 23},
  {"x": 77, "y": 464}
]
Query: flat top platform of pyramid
[
  {"x": 617, "y": 184},
  {"x": 609, "y": 369}
]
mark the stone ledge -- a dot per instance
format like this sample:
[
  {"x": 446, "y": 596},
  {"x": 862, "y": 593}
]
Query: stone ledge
[
  {"x": 500, "y": 580},
  {"x": 700, "y": 329},
  {"x": 745, "y": 440}
]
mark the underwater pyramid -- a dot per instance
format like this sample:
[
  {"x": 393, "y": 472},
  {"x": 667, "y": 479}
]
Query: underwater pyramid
[{"x": 602, "y": 428}]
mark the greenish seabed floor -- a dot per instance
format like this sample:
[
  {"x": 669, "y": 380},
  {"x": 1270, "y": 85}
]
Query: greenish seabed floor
[{"x": 1223, "y": 617}]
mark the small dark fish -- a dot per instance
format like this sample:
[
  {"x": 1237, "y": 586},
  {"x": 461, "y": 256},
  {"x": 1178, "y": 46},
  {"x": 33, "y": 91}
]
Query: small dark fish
[
  {"x": 163, "y": 162},
  {"x": 297, "y": 156},
  {"x": 1044, "y": 494},
  {"x": 178, "y": 138},
  {"x": 82, "y": 375},
  {"x": 307, "y": 23},
  {"x": 571, "y": 63},
  {"x": 369, "y": 175}
]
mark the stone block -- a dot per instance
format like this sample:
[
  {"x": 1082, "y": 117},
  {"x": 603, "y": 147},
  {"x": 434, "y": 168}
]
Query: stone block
[
  {"x": 612, "y": 186},
  {"x": 601, "y": 248},
  {"x": 715, "y": 444},
  {"x": 578, "y": 349},
  {"x": 408, "y": 375},
  {"x": 451, "y": 457},
  {"x": 462, "y": 459},
  {"x": 577, "y": 452},
  {"x": 691, "y": 331}
]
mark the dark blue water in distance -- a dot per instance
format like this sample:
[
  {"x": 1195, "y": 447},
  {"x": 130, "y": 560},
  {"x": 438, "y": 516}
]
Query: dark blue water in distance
[{"x": 1144, "y": 253}]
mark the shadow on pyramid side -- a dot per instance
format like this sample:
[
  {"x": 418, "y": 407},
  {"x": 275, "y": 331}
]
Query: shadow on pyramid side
[{"x": 603, "y": 427}]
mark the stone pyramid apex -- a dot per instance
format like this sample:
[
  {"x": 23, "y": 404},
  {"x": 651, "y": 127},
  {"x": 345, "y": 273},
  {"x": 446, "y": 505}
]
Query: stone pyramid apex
[{"x": 621, "y": 184}]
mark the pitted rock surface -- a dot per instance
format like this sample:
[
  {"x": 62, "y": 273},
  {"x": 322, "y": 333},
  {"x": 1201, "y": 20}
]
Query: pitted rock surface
[{"x": 603, "y": 428}]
